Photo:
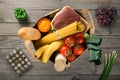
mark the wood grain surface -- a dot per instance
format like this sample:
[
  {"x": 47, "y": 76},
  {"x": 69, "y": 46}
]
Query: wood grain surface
[{"x": 82, "y": 69}]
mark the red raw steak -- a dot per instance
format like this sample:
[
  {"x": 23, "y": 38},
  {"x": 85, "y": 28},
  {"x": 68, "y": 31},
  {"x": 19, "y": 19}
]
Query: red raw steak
[{"x": 65, "y": 17}]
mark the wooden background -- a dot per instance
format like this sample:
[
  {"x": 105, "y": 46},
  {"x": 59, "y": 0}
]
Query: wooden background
[{"x": 79, "y": 70}]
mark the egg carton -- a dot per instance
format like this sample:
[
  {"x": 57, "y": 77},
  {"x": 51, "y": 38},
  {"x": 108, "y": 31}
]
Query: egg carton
[{"x": 18, "y": 61}]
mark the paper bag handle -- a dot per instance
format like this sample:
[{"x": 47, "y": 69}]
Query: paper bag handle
[
  {"x": 92, "y": 27},
  {"x": 27, "y": 45}
]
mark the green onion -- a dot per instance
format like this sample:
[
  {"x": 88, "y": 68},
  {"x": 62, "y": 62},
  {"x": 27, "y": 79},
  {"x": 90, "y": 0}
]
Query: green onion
[{"x": 109, "y": 62}]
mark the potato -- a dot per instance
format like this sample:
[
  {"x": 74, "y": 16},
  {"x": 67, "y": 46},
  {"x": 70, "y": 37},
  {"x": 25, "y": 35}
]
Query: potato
[{"x": 27, "y": 33}]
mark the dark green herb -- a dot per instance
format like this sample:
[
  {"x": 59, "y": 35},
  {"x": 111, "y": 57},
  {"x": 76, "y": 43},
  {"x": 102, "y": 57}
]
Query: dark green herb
[{"x": 20, "y": 13}]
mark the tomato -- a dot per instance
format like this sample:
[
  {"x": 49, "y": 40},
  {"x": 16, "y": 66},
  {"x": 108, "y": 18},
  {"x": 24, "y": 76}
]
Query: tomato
[
  {"x": 70, "y": 41},
  {"x": 78, "y": 50},
  {"x": 44, "y": 25},
  {"x": 71, "y": 57},
  {"x": 65, "y": 50},
  {"x": 79, "y": 38}
]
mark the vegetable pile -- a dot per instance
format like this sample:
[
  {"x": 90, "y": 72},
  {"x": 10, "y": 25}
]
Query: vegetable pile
[
  {"x": 74, "y": 46},
  {"x": 62, "y": 34}
]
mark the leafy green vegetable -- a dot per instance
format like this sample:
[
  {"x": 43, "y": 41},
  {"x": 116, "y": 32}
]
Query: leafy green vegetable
[
  {"x": 92, "y": 46},
  {"x": 94, "y": 55},
  {"x": 109, "y": 62},
  {"x": 94, "y": 40},
  {"x": 20, "y": 13}
]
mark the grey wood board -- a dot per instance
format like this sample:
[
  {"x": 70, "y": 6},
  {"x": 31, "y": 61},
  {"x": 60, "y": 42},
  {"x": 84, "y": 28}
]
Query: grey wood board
[
  {"x": 13, "y": 25},
  {"x": 4, "y": 52},
  {"x": 12, "y": 29},
  {"x": 32, "y": 15},
  {"x": 80, "y": 66},
  {"x": 81, "y": 69},
  {"x": 35, "y": 14},
  {"x": 64, "y": 77},
  {"x": 13, "y": 41},
  {"x": 36, "y": 77},
  {"x": 52, "y": 4}
]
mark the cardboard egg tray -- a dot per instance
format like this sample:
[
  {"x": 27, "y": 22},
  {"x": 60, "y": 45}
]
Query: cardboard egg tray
[{"x": 18, "y": 61}]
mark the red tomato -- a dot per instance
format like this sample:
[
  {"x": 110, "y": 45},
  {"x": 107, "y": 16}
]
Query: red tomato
[
  {"x": 80, "y": 38},
  {"x": 70, "y": 41},
  {"x": 65, "y": 50},
  {"x": 71, "y": 57},
  {"x": 78, "y": 50}
]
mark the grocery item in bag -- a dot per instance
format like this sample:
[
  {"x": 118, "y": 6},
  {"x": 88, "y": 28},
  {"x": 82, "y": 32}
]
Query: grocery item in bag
[
  {"x": 65, "y": 17},
  {"x": 70, "y": 29}
]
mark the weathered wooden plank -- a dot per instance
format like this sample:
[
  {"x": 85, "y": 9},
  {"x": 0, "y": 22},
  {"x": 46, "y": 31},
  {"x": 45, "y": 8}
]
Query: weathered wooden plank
[
  {"x": 32, "y": 15},
  {"x": 82, "y": 66},
  {"x": 13, "y": 41},
  {"x": 64, "y": 77},
  {"x": 52, "y": 4},
  {"x": 12, "y": 29},
  {"x": 40, "y": 69},
  {"x": 35, "y": 77},
  {"x": 36, "y": 14},
  {"x": 81, "y": 69},
  {"x": 4, "y": 52}
]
